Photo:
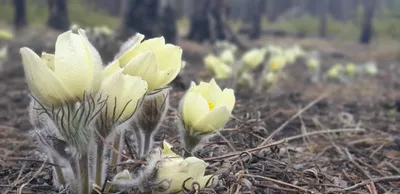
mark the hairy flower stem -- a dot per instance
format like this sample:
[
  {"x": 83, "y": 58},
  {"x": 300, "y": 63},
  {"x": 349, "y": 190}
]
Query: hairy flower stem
[
  {"x": 58, "y": 171},
  {"x": 260, "y": 81},
  {"x": 99, "y": 163},
  {"x": 116, "y": 146},
  {"x": 237, "y": 68},
  {"x": 191, "y": 142},
  {"x": 147, "y": 143},
  {"x": 84, "y": 171}
]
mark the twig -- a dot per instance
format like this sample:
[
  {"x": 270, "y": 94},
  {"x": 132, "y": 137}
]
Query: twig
[
  {"x": 235, "y": 154},
  {"x": 292, "y": 118},
  {"x": 29, "y": 160},
  {"x": 19, "y": 191},
  {"x": 278, "y": 182},
  {"x": 366, "y": 182}
]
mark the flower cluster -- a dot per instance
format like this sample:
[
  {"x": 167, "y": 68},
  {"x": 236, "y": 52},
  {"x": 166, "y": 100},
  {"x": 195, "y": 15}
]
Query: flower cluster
[{"x": 81, "y": 111}]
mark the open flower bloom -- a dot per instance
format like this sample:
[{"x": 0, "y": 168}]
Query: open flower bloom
[
  {"x": 123, "y": 93},
  {"x": 313, "y": 64},
  {"x": 254, "y": 57},
  {"x": 178, "y": 172},
  {"x": 154, "y": 61},
  {"x": 74, "y": 69},
  {"x": 276, "y": 63},
  {"x": 227, "y": 57},
  {"x": 206, "y": 108}
]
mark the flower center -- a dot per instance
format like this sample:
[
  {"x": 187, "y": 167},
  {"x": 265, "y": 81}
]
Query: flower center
[{"x": 211, "y": 105}]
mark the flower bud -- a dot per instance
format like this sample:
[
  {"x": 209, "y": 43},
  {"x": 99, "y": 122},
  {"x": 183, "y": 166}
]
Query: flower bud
[{"x": 254, "y": 57}]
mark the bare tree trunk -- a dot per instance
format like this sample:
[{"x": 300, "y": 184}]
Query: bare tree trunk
[
  {"x": 58, "y": 14},
  {"x": 168, "y": 25},
  {"x": 271, "y": 11},
  {"x": 207, "y": 20},
  {"x": 257, "y": 13},
  {"x": 19, "y": 13},
  {"x": 323, "y": 8},
  {"x": 366, "y": 32},
  {"x": 141, "y": 16}
]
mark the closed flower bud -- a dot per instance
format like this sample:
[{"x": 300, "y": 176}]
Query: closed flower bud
[
  {"x": 254, "y": 57},
  {"x": 154, "y": 61},
  {"x": 370, "y": 68},
  {"x": 227, "y": 57},
  {"x": 350, "y": 69},
  {"x": 270, "y": 78},
  {"x": 313, "y": 64},
  {"x": 74, "y": 70},
  {"x": 219, "y": 69},
  {"x": 335, "y": 71}
]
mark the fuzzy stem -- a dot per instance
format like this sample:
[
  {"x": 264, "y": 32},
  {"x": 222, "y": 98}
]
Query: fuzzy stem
[
  {"x": 117, "y": 146},
  {"x": 237, "y": 67},
  {"x": 191, "y": 142},
  {"x": 147, "y": 143},
  {"x": 99, "y": 163},
  {"x": 84, "y": 171},
  {"x": 58, "y": 171},
  {"x": 260, "y": 81}
]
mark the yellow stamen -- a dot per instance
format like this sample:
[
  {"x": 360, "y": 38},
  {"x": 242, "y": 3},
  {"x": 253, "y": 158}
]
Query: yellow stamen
[{"x": 211, "y": 105}]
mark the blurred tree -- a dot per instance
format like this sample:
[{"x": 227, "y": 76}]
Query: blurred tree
[
  {"x": 271, "y": 11},
  {"x": 58, "y": 14},
  {"x": 323, "y": 8},
  {"x": 141, "y": 16},
  {"x": 19, "y": 13},
  {"x": 256, "y": 22},
  {"x": 168, "y": 24},
  {"x": 207, "y": 21},
  {"x": 366, "y": 31}
]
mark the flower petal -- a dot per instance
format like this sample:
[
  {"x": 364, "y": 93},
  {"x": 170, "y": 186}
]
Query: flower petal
[
  {"x": 111, "y": 68},
  {"x": 42, "y": 81},
  {"x": 214, "y": 120},
  {"x": 227, "y": 98},
  {"x": 127, "y": 47},
  {"x": 94, "y": 61},
  {"x": 146, "y": 45},
  {"x": 194, "y": 108},
  {"x": 144, "y": 65},
  {"x": 134, "y": 89},
  {"x": 48, "y": 60},
  {"x": 72, "y": 63}
]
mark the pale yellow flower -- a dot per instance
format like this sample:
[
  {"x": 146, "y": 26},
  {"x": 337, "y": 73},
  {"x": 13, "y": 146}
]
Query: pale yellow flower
[
  {"x": 154, "y": 61},
  {"x": 227, "y": 57},
  {"x": 270, "y": 78},
  {"x": 254, "y": 57},
  {"x": 350, "y": 69},
  {"x": 123, "y": 93},
  {"x": 74, "y": 69},
  {"x": 313, "y": 64},
  {"x": 335, "y": 71},
  {"x": 174, "y": 171},
  {"x": 276, "y": 63},
  {"x": 217, "y": 67},
  {"x": 371, "y": 68},
  {"x": 206, "y": 108}
]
